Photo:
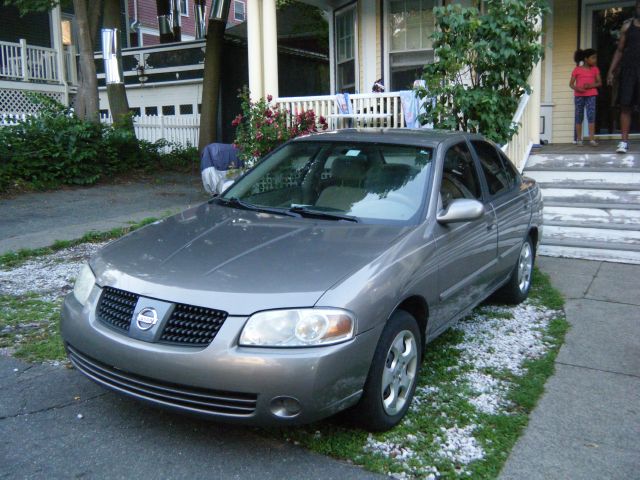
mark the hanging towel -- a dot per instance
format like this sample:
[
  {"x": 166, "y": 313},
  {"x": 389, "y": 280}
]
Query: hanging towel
[
  {"x": 343, "y": 103},
  {"x": 413, "y": 107}
]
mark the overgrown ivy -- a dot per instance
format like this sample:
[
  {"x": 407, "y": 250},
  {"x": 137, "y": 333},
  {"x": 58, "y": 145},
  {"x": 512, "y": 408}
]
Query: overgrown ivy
[{"x": 484, "y": 59}]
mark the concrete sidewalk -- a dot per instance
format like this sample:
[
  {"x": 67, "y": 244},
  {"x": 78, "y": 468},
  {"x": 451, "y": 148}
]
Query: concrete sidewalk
[
  {"x": 587, "y": 424},
  {"x": 36, "y": 220}
]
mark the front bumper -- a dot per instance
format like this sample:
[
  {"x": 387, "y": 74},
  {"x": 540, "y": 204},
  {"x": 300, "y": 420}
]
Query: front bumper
[{"x": 223, "y": 380}]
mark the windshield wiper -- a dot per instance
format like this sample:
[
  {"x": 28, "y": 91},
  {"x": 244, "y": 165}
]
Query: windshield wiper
[
  {"x": 235, "y": 202},
  {"x": 311, "y": 213}
]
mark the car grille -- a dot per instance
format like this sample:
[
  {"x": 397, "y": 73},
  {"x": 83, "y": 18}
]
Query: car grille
[
  {"x": 116, "y": 308},
  {"x": 196, "y": 400},
  {"x": 188, "y": 325}
]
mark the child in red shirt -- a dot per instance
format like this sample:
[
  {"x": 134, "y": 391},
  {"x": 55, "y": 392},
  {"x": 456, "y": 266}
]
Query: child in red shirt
[{"x": 585, "y": 80}]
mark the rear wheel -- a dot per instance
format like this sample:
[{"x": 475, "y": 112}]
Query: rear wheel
[
  {"x": 517, "y": 288},
  {"x": 393, "y": 375}
]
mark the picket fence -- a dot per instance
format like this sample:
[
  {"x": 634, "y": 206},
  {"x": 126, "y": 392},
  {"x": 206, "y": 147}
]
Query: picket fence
[
  {"x": 180, "y": 130},
  {"x": 7, "y": 119}
]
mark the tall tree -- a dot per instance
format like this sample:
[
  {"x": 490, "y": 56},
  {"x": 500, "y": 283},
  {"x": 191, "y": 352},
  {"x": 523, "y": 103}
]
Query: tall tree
[
  {"x": 211, "y": 82},
  {"x": 118, "y": 102},
  {"x": 87, "y": 99}
]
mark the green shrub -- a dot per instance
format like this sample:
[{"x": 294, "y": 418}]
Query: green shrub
[
  {"x": 56, "y": 148},
  {"x": 484, "y": 59}
]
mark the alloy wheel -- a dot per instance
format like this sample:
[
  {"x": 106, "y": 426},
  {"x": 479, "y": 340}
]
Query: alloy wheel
[
  {"x": 525, "y": 267},
  {"x": 399, "y": 372}
]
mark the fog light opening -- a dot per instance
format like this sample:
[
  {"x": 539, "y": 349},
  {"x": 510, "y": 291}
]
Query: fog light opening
[{"x": 285, "y": 407}]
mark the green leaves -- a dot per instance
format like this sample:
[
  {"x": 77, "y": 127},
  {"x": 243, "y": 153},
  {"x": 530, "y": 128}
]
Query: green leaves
[
  {"x": 483, "y": 64},
  {"x": 56, "y": 148}
]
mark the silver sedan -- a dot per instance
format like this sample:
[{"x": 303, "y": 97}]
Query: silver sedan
[{"x": 311, "y": 285}]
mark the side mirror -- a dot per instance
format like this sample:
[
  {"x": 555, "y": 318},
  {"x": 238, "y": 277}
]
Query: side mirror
[{"x": 461, "y": 210}]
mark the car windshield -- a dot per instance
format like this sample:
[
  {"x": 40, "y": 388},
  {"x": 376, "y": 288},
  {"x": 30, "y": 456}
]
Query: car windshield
[{"x": 355, "y": 181}]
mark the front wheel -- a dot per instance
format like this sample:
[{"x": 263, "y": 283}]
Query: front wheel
[
  {"x": 393, "y": 375},
  {"x": 517, "y": 288}
]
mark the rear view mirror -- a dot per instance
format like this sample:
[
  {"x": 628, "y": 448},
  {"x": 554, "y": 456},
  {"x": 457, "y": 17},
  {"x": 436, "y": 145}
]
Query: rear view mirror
[{"x": 461, "y": 210}]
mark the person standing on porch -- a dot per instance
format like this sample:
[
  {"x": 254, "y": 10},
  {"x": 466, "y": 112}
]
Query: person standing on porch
[
  {"x": 627, "y": 57},
  {"x": 585, "y": 80}
]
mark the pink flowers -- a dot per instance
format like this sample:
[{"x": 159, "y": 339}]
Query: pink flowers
[
  {"x": 263, "y": 126},
  {"x": 236, "y": 121}
]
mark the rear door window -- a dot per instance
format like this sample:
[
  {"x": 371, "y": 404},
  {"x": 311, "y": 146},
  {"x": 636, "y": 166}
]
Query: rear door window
[{"x": 499, "y": 179}]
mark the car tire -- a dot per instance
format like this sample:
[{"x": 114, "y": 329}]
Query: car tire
[
  {"x": 516, "y": 290},
  {"x": 393, "y": 375}
]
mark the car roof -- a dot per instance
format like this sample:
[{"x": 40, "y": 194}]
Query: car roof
[{"x": 407, "y": 136}]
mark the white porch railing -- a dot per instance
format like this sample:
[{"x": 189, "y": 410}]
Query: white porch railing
[
  {"x": 19, "y": 61},
  {"x": 518, "y": 148},
  {"x": 385, "y": 110},
  {"x": 180, "y": 129},
  {"x": 368, "y": 109}
]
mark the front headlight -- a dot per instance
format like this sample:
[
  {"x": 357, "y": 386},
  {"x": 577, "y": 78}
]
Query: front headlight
[
  {"x": 302, "y": 327},
  {"x": 84, "y": 284}
]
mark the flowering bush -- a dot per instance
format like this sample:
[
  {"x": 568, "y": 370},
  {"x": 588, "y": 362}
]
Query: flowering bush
[{"x": 262, "y": 126}]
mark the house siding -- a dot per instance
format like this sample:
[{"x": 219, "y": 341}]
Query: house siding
[
  {"x": 148, "y": 17},
  {"x": 565, "y": 37}
]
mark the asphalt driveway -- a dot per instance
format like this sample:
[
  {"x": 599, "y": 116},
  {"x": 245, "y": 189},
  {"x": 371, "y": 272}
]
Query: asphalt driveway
[
  {"x": 54, "y": 423},
  {"x": 36, "y": 220}
]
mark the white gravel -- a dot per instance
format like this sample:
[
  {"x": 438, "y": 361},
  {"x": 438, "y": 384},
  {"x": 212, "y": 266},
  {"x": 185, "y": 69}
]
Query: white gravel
[
  {"x": 496, "y": 340},
  {"x": 458, "y": 445},
  {"x": 49, "y": 276}
]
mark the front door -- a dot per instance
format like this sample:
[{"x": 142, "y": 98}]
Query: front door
[{"x": 602, "y": 30}]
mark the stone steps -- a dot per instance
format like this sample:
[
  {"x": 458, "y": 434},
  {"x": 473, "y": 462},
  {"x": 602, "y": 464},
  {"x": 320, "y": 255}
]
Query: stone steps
[{"x": 591, "y": 204}]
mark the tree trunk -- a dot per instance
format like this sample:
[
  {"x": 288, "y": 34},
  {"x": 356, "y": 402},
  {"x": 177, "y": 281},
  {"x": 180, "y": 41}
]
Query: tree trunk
[
  {"x": 211, "y": 83},
  {"x": 87, "y": 106},
  {"x": 118, "y": 103}
]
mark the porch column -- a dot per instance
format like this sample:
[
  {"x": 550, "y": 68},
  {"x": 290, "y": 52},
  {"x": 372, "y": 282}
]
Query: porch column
[
  {"x": 254, "y": 44},
  {"x": 270, "y": 47},
  {"x": 58, "y": 46}
]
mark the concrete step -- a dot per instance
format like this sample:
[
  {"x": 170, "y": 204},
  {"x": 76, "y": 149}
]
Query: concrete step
[
  {"x": 587, "y": 161},
  {"x": 582, "y": 197},
  {"x": 598, "y": 254},
  {"x": 585, "y": 237},
  {"x": 618, "y": 180},
  {"x": 609, "y": 218}
]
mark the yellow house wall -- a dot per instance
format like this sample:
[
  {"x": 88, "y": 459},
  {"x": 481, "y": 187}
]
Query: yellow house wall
[{"x": 565, "y": 34}]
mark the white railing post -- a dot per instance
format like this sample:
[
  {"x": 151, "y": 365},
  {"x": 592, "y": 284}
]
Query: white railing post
[
  {"x": 73, "y": 70},
  {"x": 24, "y": 59}
]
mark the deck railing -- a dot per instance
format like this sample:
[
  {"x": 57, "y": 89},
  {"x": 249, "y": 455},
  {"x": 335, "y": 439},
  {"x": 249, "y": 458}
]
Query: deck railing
[
  {"x": 28, "y": 63},
  {"x": 367, "y": 109},
  {"x": 385, "y": 110}
]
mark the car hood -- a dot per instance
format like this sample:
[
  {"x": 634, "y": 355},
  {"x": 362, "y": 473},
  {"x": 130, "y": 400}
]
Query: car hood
[{"x": 240, "y": 261}]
